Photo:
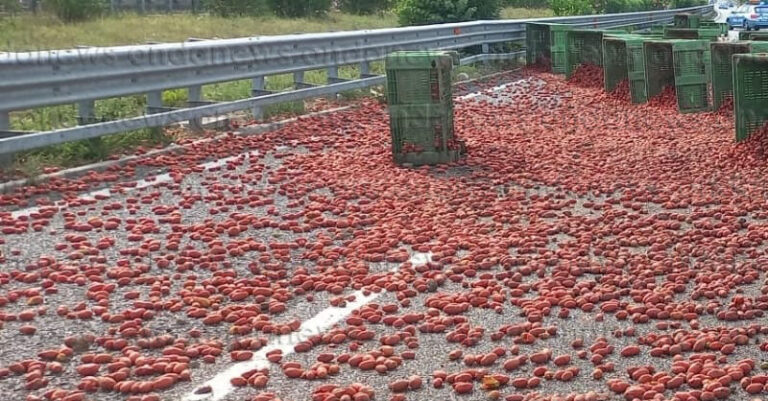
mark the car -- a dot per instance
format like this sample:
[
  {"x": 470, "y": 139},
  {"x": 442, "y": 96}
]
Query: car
[
  {"x": 723, "y": 6},
  {"x": 737, "y": 17},
  {"x": 757, "y": 18}
]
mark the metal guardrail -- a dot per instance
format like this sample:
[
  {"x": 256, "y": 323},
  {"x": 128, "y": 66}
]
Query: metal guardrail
[{"x": 46, "y": 78}]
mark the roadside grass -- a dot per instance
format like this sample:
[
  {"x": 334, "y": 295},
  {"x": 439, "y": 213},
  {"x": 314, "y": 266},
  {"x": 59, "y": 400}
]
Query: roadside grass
[
  {"x": 45, "y": 32},
  {"x": 27, "y": 32},
  {"x": 521, "y": 13}
]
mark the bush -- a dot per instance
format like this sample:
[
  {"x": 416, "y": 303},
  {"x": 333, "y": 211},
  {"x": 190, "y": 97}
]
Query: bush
[
  {"x": 236, "y": 8},
  {"x": 420, "y": 12},
  {"x": 300, "y": 8},
  {"x": 76, "y": 10},
  {"x": 527, "y": 3},
  {"x": 615, "y": 6},
  {"x": 362, "y": 7},
  {"x": 571, "y": 7},
  {"x": 10, "y": 6},
  {"x": 687, "y": 3}
]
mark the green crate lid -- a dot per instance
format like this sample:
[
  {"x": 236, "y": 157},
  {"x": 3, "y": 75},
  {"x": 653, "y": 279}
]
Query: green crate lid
[
  {"x": 758, "y": 46},
  {"x": 691, "y": 44},
  {"x": 413, "y": 60}
]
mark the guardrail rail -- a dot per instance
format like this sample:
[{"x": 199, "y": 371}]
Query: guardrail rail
[{"x": 47, "y": 78}]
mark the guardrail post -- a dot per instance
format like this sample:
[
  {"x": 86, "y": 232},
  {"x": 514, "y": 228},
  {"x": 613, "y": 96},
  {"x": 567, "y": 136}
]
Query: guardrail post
[
  {"x": 155, "y": 105},
  {"x": 333, "y": 73},
  {"x": 333, "y": 77},
  {"x": 257, "y": 87},
  {"x": 6, "y": 159},
  {"x": 298, "y": 80},
  {"x": 485, "y": 48},
  {"x": 85, "y": 116},
  {"x": 85, "y": 112},
  {"x": 5, "y": 120},
  {"x": 154, "y": 101},
  {"x": 195, "y": 94},
  {"x": 365, "y": 69}
]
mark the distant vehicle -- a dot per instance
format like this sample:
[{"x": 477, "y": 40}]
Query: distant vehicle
[
  {"x": 757, "y": 18},
  {"x": 737, "y": 19},
  {"x": 724, "y": 6}
]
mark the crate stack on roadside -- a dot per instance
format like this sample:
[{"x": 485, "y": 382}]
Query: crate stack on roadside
[
  {"x": 750, "y": 93},
  {"x": 419, "y": 95},
  {"x": 689, "y": 56}
]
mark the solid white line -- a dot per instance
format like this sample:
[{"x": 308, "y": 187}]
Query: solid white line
[{"x": 220, "y": 384}]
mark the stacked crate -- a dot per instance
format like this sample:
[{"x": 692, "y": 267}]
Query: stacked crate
[
  {"x": 420, "y": 101},
  {"x": 750, "y": 35},
  {"x": 684, "y": 64},
  {"x": 585, "y": 46},
  {"x": 722, "y": 27},
  {"x": 545, "y": 44},
  {"x": 657, "y": 30},
  {"x": 711, "y": 34},
  {"x": 722, "y": 66},
  {"x": 750, "y": 93},
  {"x": 623, "y": 59}
]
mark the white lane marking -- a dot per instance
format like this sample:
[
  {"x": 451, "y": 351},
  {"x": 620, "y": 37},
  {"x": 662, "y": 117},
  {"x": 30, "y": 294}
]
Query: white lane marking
[
  {"x": 160, "y": 178},
  {"x": 142, "y": 183},
  {"x": 220, "y": 384},
  {"x": 491, "y": 90}
]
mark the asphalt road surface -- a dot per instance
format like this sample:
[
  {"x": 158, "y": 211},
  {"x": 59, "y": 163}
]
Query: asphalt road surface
[{"x": 586, "y": 249}]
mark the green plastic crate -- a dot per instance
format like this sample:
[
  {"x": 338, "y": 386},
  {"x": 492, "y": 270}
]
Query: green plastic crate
[
  {"x": 684, "y": 64},
  {"x": 623, "y": 60},
  {"x": 585, "y": 46},
  {"x": 636, "y": 70},
  {"x": 751, "y": 35},
  {"x": 657, "y": 29},
  {"x": 721, "y": 27},
  {"x": 429, "y": 127},
  {"x": 722, "y": 66},
  {"x": 750, "y": 93},
  {"x": 687, "y": 20},
  {"x": 744, "y": 35},
  {"x": 692, "y": 64},
  {"x": 711, "y": 34},
  {"x": 419, "y": 77},
  {"x": 545, "y": 44},
  {"x": 614, "y": 61}
]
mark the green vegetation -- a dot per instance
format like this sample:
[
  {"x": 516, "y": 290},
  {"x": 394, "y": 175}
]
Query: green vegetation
[
  {"x": 571, "y": 7},
  {"x": 236, "y": 8},
  {"x": 9, "y": 6},
  {"x": 581, "y": 7},
  {"x": 45, "y": 31},
  {"x": 300, "y": 8},
  {"x": 76, "y": 10},
  {"x": 363, "y": 7},
  {"x": 421, "y": 12},
  {"x": 520, "y": 12}
]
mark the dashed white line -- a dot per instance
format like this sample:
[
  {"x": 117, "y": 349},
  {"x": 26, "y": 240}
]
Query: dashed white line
[
  {"x": 142, "y": 183},
  {"x": 220, "y": 385}
]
